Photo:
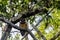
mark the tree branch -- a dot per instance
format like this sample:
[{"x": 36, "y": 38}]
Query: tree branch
[
  {"x": 12, "y": 25},
  {"x": 29, "y": 13},
  {"x": 6, "y": 33},
  {"x": 39, "y": 33},
  {"x": 43, "y": 37},
  {"x": 55, "y": 36},
  {"x": 26, "y": 34},
  {"x": 26, "y": 14},
  {"x": 29, "y": 31}
]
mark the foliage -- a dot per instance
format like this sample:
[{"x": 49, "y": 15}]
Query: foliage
[{"x": 52, "y": 21}]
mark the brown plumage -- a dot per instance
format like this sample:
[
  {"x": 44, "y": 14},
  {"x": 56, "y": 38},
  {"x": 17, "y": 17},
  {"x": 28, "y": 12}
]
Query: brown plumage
[{"x": 23, "y": 25}]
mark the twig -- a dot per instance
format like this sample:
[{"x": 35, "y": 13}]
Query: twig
[
  {"x": 43, "y": 37},
  {"x": 26, "y": 35},
  {"x": 39, "y": 33},
  {"x": 55, "y": 36},
  {"x": 26, "y": 14},
  {"x": 15, "y": 31}
]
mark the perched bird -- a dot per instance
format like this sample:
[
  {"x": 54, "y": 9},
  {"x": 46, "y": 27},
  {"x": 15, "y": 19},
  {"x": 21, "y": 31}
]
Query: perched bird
[{"x": 23, "y": 25}]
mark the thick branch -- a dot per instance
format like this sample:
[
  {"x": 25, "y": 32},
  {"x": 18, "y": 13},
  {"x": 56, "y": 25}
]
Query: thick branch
[
  {"x": 43, "y": 37},
  {"x": 11, "y": 24},
  {"x": 26, "y": 14},
  {"x": 29, "y": 31},
  {"x": 7, "y": 32}
]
